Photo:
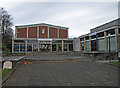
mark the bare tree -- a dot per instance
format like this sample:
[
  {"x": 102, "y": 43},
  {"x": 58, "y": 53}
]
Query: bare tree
[
  {"x": 5, "y": 20},
  {"x": 5, "y": 28}
]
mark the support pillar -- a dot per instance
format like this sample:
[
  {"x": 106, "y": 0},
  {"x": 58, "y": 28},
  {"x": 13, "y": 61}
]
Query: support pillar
[
  {"x": 67, "y": 47},
  {"x": 84, "y": 44},
  {"x": 56, "y": 47},
  {"x": 105, "y": 35},
  {"x": 90, "y": 43},
  {"x": 80, "y": 45},
  {"x": 32, "y": 47},
  {"x": 62, "y": 45},
  {"x": 51, "y": 47},
  {"x": 38, "y": 45},
  {"x": 27, "y": 32},
  {"x": 37, "y": 31},
  {"x": 26, "y": 45},
  {"x": 116, "y": 39}
]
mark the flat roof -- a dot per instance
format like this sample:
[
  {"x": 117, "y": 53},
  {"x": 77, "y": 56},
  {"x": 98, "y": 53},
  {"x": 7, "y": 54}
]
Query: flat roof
[
  {"x": 41, "y": 24},
  {"x": 115, "y": 22}
]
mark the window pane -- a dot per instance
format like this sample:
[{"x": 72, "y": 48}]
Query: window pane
[{"x": 101, "y": 45}]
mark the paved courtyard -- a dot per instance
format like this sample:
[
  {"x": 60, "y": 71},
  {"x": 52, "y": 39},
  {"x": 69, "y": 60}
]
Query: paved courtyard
[{"x": 82, "y": 73}]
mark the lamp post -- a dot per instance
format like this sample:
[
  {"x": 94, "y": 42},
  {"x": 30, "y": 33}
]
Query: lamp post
[{"x": 109, "y": 47}]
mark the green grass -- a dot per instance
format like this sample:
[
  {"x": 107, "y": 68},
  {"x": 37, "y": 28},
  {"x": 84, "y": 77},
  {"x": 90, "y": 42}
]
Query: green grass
[
  {"x": 116, "y": 63},
  {"x": 5, "y": 72}
]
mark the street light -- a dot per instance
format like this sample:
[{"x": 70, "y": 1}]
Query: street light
[{"x": 109, "y": 47}]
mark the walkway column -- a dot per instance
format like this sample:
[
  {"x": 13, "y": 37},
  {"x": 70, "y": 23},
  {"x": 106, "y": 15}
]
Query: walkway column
[
  {"x": 84, "y": 44},
  {"x": 116, "y": 39},
  {"x": 56, "y": 47},
  {"x": 51, "y": 47},
  {"x": 25, "y": 45},
  {"x": 62, "y": 45},
  {"x": 67, "y": 47},
  {"x": 27, "y": 32},
  {"x": 38, "y": 45},
  {"x": 105, "y": 35},
  {"x": 12, "y": 45},
  {"x": 37, "y": 31},
  {"x": 90, "y": 43}
]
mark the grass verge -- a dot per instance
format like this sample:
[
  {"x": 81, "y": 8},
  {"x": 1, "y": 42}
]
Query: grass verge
[
  {"x": 115, "y": 63},
  {"x": 5, "y": 72}
]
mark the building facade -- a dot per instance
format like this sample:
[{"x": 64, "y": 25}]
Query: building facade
[
  {"x": 41, "y": 37},
  {"x": 103, "y": 38}
]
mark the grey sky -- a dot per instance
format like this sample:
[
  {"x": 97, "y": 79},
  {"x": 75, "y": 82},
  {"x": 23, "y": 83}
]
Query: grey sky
[{"x": 80, "y": 17}]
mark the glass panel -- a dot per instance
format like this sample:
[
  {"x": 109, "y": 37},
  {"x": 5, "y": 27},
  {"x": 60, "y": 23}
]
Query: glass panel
[
  {"x": 82, "y": 46},
  {"x": 22, "y": 47},
  {"x": 112, "y": 43},
  {"x": 101, "y": 44},
  {"x": 87, "y": 45},
  {"x": 59, "y": 47},
  {"x": 65, "y": 47},
  {"x": 16, "y": 48}
]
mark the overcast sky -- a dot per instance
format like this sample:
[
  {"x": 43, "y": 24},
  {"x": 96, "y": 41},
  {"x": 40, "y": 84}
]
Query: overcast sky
[{"x": 80, "y": 17}]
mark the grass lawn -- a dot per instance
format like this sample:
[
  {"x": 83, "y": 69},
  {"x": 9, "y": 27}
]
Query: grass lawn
[
  {"x": 116, "y": 63},
  {"x": 5, "y": 72}
]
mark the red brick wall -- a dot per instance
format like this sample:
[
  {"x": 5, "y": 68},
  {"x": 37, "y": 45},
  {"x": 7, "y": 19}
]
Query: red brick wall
[
  {"x": 45, "y": 35},
  {"x": 63, "y": 33},
  {"x": 32, "y": 32},
  {"x": 53, "y": 32},
  {"x": 22, "y": 33}
]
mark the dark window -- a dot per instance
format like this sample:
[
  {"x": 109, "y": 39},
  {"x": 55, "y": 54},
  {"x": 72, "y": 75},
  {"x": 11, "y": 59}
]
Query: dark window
[
  {"x": 101, "y": 34},
  {"x": 112, "y": 31}
]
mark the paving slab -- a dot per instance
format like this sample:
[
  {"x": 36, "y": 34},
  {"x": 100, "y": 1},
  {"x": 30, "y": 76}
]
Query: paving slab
[{"x": 64, "y": 74}]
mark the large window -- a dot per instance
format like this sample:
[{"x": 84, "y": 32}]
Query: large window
[
  {"x": 101, "y": 44},
  {"x": 112, "y": 43},
  {"x": 87, "y": 45},
  {"x": 82, "y": 46}
]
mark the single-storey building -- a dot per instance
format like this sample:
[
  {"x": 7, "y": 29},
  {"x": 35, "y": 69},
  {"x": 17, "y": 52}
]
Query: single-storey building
[{"x": 104, "y": 38}]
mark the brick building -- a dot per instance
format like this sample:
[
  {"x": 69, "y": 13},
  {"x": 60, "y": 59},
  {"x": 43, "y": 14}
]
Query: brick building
[{"x": 41, "y": 37}]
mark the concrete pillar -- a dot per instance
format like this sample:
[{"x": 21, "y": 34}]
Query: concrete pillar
[
  {"x": 48, "y": 31},
  {"x": 117, "y": 39},
  {"x": 105, "y": 35},
  {"x": 27, "y": 32},
  {"x": 37, "y": 31},
  {"x": 73, "y": 45},
  {"x": 12, "y": 45},
  {"x": 38, "y": 45},
  {"x": 56, "y": 47},
  {"x": 26, "y": 45},
  {"x": 67, "y": 47},
  {"x": 84, "y": 44},
  {"x": 32, "y": 47},
  {"x": 58, "y": 32},
  {"x": 51, "y": 47},
  {"x": 90, "y": 43},
  {"x": 62, "y": 45}
]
